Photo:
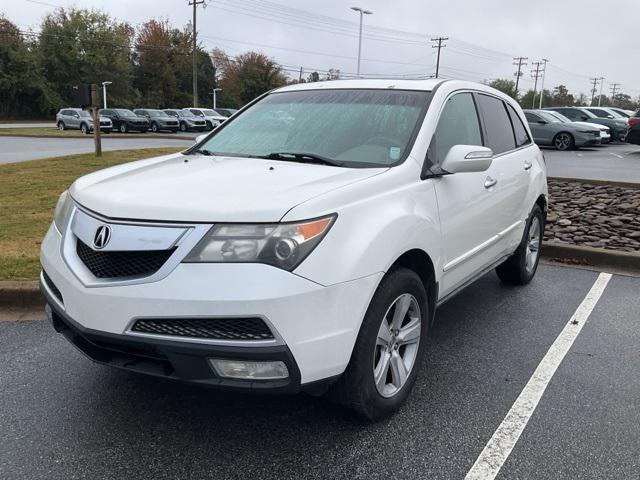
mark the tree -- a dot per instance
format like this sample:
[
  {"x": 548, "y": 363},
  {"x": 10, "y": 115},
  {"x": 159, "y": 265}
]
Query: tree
[
  {"x": 505, "y": 86},
  {"x": 333, "y": 74},
  {"x": 248, "y": 75},
  {"x": 561, "y": 97},
  {"x": 527, "y": 100},
  {"x": 87, "y": 46},
  {"x": 313, "y": 77},
  {"x": 24, "y": 92}
]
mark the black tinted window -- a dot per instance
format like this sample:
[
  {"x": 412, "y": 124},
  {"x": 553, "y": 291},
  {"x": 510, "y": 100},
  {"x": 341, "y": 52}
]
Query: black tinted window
[
  {"x": 522, "y": 137},
  {"x": 571, "y": 114},
  {"x": 106, "y": 112},
  {"x": 500, "y": 137},
  {"x": 458, "y": 125},
  {"x": 600, "y": 113}
]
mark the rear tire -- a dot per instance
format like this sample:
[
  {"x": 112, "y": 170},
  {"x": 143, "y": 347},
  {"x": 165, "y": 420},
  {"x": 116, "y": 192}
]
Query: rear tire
[
  {"x": 387, "y": 354},
  {"x": 61, "y": 126},
  {"x": 520, "y": 268}
]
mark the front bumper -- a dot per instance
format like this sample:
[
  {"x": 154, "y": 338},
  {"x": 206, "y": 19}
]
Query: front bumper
[
  {"x": 586, "y": 140},
  {"x": 317, "y": 325}
]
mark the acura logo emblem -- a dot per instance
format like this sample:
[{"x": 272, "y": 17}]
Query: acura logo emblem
[{"x": 102, "y": 237}]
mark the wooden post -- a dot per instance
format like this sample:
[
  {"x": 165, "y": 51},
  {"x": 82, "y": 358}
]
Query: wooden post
[{"x": 96, "y": 119}]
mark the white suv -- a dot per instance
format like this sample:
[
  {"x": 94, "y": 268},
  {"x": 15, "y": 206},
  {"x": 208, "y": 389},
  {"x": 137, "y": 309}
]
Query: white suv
[{"x": 301, "y": 255}]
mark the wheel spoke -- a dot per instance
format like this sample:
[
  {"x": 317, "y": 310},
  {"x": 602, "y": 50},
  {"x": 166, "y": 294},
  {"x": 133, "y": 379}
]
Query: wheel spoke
[
  {"x": 381, "y": 370},
  {"x": 402, "y": 307},
  {"x": 410, "y": 333},
  {"x": 384, "y": 335},
  {"x": 399, "y": 372}
]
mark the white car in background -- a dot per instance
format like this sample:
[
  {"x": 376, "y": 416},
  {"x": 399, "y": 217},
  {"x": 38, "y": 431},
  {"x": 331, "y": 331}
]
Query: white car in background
[
  {"x": 307, "y": 255},
  {"x": 605, "y": 132},
  {"x": 212, "y": 117}
]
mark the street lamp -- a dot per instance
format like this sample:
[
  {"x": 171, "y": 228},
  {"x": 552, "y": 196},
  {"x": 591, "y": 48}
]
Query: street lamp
[
  {"x": 362, "y": 14},
  {"x": 213, "y": 92},
  {"x": 104, "y": 92}
]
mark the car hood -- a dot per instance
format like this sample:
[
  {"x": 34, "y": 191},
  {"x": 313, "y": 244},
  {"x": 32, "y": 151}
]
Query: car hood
[
  {"x": 595, "y": 126},
  {"x": 197, "y": 188}
]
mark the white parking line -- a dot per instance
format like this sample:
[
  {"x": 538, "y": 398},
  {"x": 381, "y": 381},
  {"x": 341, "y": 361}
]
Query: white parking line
[{"x": 501, "y": 444}]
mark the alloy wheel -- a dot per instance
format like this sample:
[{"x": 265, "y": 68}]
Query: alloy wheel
[
  {"x": 397, "y": 345},
  {"x": 533, "y": 244},
  {"x": 563, "y": 141}
]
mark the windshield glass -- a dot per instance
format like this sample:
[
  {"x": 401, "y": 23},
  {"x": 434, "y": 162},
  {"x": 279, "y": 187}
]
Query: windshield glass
[
  {"x": 157, "y": 113},
  {"x": 209, "y": 113},
  {"x": 123, "y": 112},
  {"x": 186, "y": 113},
  {"x": 357, "y": 127},
  {"x": 84, "y": 114},
  {"x": 549, "y": 117}
]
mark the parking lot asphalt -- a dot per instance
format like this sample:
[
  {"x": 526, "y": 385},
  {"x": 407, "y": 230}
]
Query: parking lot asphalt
[
  {"x": 21, "y": 149},
  {"x": 62, "y": 416},
  {"x": 616, "y": 162}
]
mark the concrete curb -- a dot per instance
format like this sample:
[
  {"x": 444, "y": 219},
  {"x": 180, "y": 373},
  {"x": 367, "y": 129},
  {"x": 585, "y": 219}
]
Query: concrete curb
[
  {"x": 130, "y": 137},
  {"x": 601, "y": 258},
  {"x": 22, "y": 295}
]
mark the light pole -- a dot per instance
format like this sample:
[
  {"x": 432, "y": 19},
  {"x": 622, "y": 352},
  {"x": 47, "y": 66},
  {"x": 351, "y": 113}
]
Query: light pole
[
  {"x": 104, "y": 93},
  {"x": 362, "y": 14},
  {"x": 213, "y": 92}
]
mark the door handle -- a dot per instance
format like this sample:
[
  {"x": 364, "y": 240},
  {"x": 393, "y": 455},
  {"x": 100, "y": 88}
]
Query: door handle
[
  {"x": 528, "y": 164},
  {"x": 490, "y": 182}
]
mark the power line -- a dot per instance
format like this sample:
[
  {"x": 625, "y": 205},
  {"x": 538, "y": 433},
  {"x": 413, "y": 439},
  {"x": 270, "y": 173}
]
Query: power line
[{"x": 439, "y": 46}]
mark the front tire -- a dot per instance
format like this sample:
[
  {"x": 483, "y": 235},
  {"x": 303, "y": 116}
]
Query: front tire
[
  {"x": 154, "y": 127},
  {"x": 84, "y": 129},
  {"x": 564, "y": 141},
  {"x": 123, "y": 128},
  {"x": 183, "y": 127},
  {"x": 520, "y": 268},
  {"x": 389, "y": 349}
]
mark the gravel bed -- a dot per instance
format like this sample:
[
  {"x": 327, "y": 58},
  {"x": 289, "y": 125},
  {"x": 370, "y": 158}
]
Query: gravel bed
[{"x": 601, "y": 216}]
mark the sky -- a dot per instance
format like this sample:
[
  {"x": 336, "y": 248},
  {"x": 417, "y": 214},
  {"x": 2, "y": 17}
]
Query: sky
[{"x": 581, "y": 39}]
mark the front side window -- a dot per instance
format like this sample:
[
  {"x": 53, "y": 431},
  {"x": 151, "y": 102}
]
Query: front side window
[
  {"x": 186, "y": 114},
  {"x": 500, "y": 137},
  {"x": 355, "y": 127},
  {"x": 521, "y": 134},
  {"x": 600, "y": 113},
  {"x": 531, "y": 117},
  {"x": 458, "y": 125}
]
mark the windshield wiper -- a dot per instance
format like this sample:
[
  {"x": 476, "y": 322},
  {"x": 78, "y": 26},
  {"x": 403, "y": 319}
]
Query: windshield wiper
[{"x": 304, "y": 158}]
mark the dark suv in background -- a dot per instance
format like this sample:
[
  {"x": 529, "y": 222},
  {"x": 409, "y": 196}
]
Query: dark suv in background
[
  {"x": 125, "y": 120},
  {"x": 159, "y": 120}
]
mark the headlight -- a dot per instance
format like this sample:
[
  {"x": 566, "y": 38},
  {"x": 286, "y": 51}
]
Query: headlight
[
  {"x": 62, "y": 211},
  {"x": 283, "y": 245}
]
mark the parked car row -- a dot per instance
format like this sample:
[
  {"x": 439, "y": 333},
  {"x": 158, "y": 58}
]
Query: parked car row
[
  {"x": 566, "y": 128},
  {"x": 144, "y": 119}
]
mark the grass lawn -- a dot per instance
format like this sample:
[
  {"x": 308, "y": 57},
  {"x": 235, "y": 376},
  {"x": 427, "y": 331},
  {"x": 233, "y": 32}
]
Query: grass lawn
[
  {"x": 54, "y": 132},
  {"x": 28, "y": 194}
]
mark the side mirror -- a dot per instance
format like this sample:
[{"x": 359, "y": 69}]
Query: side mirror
[
  {"x": 467, "y": 158},
  {"x": 611, "y": 117},
  {"x": 200, "y": 138},
  {"x": 76, "y": 115}
]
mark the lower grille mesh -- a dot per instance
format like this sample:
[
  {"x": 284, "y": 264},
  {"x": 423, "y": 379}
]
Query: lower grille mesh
[
  {"x": 115, "y": 264},
  {"x": 208, "y": 328}
]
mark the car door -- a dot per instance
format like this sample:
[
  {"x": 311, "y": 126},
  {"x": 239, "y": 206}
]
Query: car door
[
  {"x": 466, "y": 201},
  {"x": 74, "y": 119},
  {"x": 510, "y": 168}
]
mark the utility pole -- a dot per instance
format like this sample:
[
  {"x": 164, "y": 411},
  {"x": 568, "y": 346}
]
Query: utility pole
[
  {"x": 614, "y": 89},
  {"x": 439, "y": 46},
  {"x": 95, "y": 103},
  {"x": 535, "y": 74},
  {"x": 195, "y": 4},
  {"x": 519, "y": 61},
  {"x": 601, "y": 84},
  {"x": 300, "y": 76},
  {"x": 593, "y": 89},
  {"x": 544, "y": 72},
  {"x": 362, "y": 14}
]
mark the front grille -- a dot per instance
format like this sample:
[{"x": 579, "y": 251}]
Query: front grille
[
  {"x": 120, "y": 264},
  {"x": 208, "y": 328},
  {"x": 52, "y": 286},
  {"x": 199, "y": 123},
  {"x": 172, "y": 123}
]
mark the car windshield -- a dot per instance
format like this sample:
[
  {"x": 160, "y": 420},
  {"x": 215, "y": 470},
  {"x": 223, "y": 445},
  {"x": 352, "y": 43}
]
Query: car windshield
[
  {"x": 157, "y": 113},
  {"x": 209, "y": 113},
  {"x": 123, "y": 112},
  {"x": 560, "y": 117},
  {"x": 549, "y": 117},
  {"x": 84, "y": 113},
  {"x": 357, "y": 128},
  {"x": 185, "y": 113}
]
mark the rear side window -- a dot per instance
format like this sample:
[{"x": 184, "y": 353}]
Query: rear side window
[
  {"x": 500, "y": 136},
  {"x": 531, "y": 117},
  {"x": 458, "y": 125},
  {"x": 522, "y": 137}
]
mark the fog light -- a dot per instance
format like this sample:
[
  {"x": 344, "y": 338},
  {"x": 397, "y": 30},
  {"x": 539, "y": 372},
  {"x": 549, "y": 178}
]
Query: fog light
[{"x": 248, "y": 370}]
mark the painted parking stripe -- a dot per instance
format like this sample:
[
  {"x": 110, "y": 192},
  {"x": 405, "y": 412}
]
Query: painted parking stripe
[{"x": 501, "y": 444}]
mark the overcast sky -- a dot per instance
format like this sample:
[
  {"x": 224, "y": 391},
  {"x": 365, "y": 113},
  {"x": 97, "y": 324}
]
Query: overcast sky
[{"x": 581, "y": 38}]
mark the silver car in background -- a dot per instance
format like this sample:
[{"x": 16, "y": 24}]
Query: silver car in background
[
  {"x": 605, "y": 132},
  {"x": 549, "y": 131},
  {"x": 79, "y": 119}
]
